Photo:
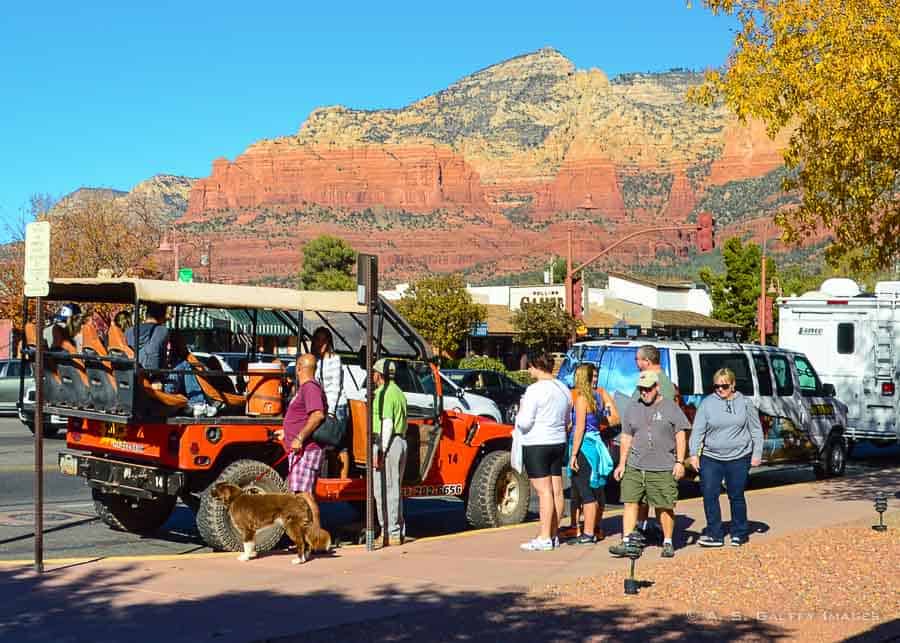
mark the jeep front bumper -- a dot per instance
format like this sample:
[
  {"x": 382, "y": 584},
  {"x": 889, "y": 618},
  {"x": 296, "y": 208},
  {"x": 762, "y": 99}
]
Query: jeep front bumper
[{"x": 123, "y": 478}]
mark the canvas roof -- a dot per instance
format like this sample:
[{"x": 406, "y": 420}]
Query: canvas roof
[{"x": 125, "y": 291}]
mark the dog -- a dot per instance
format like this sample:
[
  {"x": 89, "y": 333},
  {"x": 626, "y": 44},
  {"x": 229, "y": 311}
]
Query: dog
[{"x": 251, "y": 512}]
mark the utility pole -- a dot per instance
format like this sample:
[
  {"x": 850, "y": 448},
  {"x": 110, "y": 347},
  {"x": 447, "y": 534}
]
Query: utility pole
[{"x": 763, "y": 304}]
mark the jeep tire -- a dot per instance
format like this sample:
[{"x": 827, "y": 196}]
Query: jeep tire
[
  {"x": 498, "y": 494},
  {"x": 135, "y": 515},
  {"x": 833, "y": 459},
  {"x": 213, "y": 521}
]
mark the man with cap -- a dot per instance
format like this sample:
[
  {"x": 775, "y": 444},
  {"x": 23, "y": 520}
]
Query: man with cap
[
  {"x": 651, "y": 453},
  {"x": 389, "y": 448},
  {"x": 61, "y": 319}
]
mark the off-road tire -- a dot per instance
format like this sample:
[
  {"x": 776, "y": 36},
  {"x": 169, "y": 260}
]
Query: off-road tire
[
  {"x": 490, "y": 501},
  {"x": 135, "y": 515},
  {"x": 833, "y": 460},
  {"x": 213, "y": 521}
]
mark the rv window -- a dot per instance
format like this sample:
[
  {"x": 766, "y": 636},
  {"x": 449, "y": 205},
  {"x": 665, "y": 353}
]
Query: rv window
[
  {"x": 845, "y": 339},
  {"x": 685, "y": 373},
  {"x": 784, "y": 385},
  {"x": 806, "y": 374},
  {"x": 737, "y": 362},
  {"x": 763, "y": 375}
]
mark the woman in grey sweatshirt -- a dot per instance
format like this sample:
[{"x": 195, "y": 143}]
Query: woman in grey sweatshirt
[{"x": 728, "y": 434}]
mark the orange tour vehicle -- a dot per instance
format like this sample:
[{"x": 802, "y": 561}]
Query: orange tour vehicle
[{"x": 152, "y": 418}]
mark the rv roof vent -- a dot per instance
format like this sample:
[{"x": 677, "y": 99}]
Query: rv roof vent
[
  {"x": 887, "y": 289},
  {"x": 840, "y": 287}
]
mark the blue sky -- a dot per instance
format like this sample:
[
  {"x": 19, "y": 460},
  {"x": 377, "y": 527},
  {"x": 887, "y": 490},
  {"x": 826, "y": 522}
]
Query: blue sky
[{"x": 108, "y": 93}]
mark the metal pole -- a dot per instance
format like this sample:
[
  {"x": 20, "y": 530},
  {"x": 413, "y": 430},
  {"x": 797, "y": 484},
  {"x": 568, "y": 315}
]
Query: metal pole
[
  {"x": 177, "y": 263},
  {"x": 39, "y": 441},
  {"x": 570, "y": 289},
  {"x": 761, "y": 319},
  {"x": 370, "y": 279},
  {"x": 208, "y": 261}
]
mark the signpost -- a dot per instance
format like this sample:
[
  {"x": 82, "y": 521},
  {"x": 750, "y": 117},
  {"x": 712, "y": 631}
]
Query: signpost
[
  {"x": 367, "y": 295},
  {"x": 37, "y": 285}
]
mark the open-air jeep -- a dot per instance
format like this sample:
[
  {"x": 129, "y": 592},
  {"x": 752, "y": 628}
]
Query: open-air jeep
[{"x": 141, "y": 449}]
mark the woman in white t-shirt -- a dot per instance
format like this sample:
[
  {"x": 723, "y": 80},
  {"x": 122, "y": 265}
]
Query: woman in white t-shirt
[{"x": 543, "y": 416}]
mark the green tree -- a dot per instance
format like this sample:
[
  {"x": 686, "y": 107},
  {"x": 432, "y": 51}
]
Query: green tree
[
  {"x": 827, "y": 74},
  {"x": 442, "y": 310},
  {"x": 328, "y": 264},
  {"x": 542, "y": 324},
  {"x": 482, "y": 363},
  {"x": 735, "y": 294}
]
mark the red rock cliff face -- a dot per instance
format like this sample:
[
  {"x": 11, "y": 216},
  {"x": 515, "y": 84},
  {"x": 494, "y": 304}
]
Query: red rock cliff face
[{"x": 415, "y": 179}]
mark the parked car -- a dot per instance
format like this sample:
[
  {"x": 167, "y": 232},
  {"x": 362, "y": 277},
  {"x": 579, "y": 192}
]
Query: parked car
[
  {"x": 801, "y": 418},
  {"x": 10, "y": 372},
  {"x": 491, "y": 384}
]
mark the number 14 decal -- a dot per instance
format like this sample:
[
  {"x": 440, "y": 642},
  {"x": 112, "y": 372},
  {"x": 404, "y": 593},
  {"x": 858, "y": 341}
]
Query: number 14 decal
[{"x": 452, "y": 458}]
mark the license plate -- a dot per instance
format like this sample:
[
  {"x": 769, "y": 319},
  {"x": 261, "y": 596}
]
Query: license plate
[{"x": 68, "y": 465}]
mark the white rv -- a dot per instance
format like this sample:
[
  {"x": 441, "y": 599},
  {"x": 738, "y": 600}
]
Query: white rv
[{"x": 853, "y": 340}]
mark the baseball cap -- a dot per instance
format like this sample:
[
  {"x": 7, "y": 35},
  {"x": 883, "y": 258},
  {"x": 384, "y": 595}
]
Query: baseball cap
[
  {"x": 67, "y": 310},
  {"x": 380, "y": 365},
  {"x": 648, "y": 379}
]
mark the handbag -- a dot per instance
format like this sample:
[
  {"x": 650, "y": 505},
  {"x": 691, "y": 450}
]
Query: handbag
[{"x": 330, "y": 433}]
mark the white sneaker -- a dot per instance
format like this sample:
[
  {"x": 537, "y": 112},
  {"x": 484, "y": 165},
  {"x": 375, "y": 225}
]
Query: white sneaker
[
  {"x": 199, "y": 410},
  {"x": 538, "y": 544}
]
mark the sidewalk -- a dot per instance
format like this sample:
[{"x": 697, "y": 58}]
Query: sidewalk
[{"x": 473, "y": 585}]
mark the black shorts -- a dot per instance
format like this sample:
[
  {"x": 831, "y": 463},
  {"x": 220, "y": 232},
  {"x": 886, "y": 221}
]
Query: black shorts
[
  {"x": 582, "y": 491},
  {"x": 544, "y": 460}
]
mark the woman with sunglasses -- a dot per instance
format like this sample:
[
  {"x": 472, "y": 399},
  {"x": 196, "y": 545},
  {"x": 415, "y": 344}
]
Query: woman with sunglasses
[{"x": 726, "y": 440}]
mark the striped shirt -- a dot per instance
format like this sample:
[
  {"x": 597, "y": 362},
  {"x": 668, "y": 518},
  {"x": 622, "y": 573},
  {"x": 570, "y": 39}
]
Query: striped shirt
[{"x": 330, "y": 375}]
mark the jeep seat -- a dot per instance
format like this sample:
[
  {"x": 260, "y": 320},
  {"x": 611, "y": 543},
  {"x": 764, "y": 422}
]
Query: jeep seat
[
  {"x": 210, "y": 390},
  {"x": 168, "y": 403},
  {"x": 71, "y": 370},
  {"x": 103, "y": 393}
]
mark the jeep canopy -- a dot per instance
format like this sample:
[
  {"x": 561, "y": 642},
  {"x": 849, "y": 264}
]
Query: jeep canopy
[{"x": 337, "y": 310}]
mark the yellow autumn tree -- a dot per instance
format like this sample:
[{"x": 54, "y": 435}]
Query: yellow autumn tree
[{"x": 827, "y": 72}]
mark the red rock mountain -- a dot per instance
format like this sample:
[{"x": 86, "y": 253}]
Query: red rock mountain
[{"x": 487, "y": 175}]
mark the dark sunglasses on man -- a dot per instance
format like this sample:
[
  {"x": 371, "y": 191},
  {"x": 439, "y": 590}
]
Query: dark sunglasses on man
[{"x": 722, "y": 387}]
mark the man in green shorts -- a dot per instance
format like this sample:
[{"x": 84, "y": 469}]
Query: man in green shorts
[{"x": 652, "y": 449}]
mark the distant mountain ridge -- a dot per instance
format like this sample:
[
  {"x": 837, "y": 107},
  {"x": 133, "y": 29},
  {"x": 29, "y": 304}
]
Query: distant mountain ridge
[{"x": 487, "y": 175}]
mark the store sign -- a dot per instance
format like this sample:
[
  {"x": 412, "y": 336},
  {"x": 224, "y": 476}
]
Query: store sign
[{"x": 522, "y": 296}]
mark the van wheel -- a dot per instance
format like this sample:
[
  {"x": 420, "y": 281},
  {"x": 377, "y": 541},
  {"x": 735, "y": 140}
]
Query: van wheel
[
  {"x": 213, "y": 521},
  {"x": 833, "y": 459},
  {"x": 499, "y": 495},
  {"x": 135, "y": 515},
  {"x": 50, "y": 431}
]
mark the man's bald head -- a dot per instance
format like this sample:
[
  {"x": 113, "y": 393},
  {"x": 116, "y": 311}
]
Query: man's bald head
[{"x": 306, "y": 367}]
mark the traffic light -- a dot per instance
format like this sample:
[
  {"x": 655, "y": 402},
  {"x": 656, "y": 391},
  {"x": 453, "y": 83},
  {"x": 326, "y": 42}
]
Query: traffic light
[
  {"x": 577, "y": 298},
  {"x": 705, "y": 237}
]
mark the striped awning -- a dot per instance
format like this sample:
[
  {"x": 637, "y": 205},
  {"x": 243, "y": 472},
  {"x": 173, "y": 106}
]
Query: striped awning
[{"x": 268, "y": 324}]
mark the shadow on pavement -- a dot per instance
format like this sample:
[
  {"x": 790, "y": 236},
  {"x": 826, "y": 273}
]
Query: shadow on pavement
[
  {"x": 861, "y": 487},
  {"x": 109, "y": 605}
]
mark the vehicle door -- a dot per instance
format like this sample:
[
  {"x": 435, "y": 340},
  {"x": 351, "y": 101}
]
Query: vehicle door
[
  {"x": 819, "y": 414},
  {"x": 423, "y": 434},
  {"x": 493, "y": 389},
  {"x": 774, "y": 426},
  {"x": 9, "y": 388},
  {"x": 420, "y": 403}
]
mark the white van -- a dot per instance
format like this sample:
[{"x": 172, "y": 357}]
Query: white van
[
  {"x": 802, "y": 421},
  {"x": 855, "y": 338}
]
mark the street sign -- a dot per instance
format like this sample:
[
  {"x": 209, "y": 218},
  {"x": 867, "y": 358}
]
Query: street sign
[
  {"x": 186, "y": 275},
  {"x": 480, "y": 330},
  {"x": 37, "y": 259},
  {"x": 366, "y": 264}
]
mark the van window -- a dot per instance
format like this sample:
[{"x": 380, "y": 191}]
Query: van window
[
  {"x": 784, "y": 384},
  {"x": 737, "y": 362},
  {"x": 685, "y": 367},
  {"x": 14, "y": 369},
  {"x": 845, "y": 339},
  {"x": 618, "y": 370},
  {"x": 806, "y": 376},
  {"x": 763, "y": 374}
]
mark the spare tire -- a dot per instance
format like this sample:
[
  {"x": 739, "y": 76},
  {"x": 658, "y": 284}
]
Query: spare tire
[{"x": 213, "y": 521}]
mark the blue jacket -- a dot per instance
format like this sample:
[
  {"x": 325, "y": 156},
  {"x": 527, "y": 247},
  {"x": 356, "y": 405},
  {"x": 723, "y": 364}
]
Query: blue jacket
[{"x": 596, "y": 453}]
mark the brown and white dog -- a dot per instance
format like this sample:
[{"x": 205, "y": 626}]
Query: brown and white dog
[{"x": 251, "y": 512}]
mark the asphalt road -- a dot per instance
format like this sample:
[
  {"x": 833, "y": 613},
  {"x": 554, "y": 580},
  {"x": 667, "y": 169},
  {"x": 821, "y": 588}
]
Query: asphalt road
[{"x": 71, "y": 528}]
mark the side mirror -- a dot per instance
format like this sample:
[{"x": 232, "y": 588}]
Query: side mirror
[{"x": 828, "y": 390}]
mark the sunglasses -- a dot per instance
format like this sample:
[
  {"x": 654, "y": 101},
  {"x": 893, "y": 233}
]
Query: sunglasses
[
  {"x": 646, "y": 389},
  {"x": 722, "y": 387}
]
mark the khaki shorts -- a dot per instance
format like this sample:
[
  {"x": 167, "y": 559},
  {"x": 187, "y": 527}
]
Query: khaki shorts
[{"x": 655, "y": 488}]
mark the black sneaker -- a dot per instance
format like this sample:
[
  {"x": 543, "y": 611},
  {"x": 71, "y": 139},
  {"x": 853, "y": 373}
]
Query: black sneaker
[
  {"x": 668, "y": 550},
  {"x": 707, "y": 541},
  {"x": 584, "y": 539},
  {"x": 618, "y": 550},
  {"x": 738, "y": 542}
]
